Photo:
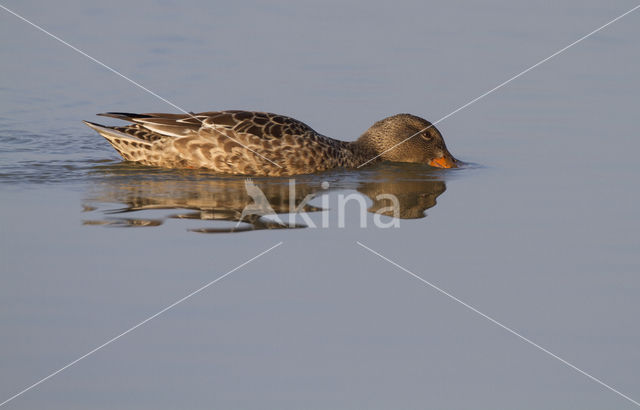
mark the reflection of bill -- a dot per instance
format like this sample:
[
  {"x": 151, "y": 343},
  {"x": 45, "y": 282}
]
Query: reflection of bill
[{"x": 389, "y": 194}]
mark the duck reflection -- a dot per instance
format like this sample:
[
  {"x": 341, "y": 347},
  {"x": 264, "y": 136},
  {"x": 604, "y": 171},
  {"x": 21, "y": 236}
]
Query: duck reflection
[{"x": 235, "y": 204}]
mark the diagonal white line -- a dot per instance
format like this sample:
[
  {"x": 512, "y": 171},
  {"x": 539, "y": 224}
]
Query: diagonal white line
[
  {"x": 95, "y": 60},
  {"x": 504, "y": 83},
  {"x": 108, "y": 342},
  {"x": 494, "y": 321}
]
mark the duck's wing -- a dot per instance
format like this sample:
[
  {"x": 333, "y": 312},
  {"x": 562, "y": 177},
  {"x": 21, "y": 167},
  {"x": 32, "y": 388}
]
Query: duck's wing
[{"x": 262, "y": 124}]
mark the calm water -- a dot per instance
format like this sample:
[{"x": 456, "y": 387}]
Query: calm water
[{"x": 542, "y": 234}]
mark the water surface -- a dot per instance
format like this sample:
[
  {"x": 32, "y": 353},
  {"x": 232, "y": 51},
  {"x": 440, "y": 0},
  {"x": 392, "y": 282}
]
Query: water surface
[{"x": 542, "y": 235}]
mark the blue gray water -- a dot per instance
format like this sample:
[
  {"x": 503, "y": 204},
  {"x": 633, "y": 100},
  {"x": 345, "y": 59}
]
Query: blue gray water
[{"x": 541, "y": 233}]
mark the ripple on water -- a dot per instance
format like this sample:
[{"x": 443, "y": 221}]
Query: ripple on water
[{"x": 121, "y": 194}]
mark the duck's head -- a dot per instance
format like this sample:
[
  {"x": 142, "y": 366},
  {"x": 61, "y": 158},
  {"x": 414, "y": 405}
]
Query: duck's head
[{"x": 390, "y": 139}]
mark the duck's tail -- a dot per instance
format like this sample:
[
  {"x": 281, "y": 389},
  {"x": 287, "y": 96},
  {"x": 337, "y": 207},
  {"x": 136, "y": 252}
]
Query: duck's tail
[{"x": 128, "y": 146}]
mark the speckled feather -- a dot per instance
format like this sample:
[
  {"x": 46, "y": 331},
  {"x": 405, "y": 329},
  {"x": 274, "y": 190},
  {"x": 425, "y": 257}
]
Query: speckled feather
[{"x": 240, "y": 142}]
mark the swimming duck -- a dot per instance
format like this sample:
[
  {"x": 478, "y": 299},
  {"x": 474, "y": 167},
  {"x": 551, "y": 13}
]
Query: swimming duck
[{"x": 265, "y": 144}]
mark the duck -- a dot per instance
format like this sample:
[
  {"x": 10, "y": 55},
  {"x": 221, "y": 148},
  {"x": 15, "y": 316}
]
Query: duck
[{"x": 265, "y": 144}]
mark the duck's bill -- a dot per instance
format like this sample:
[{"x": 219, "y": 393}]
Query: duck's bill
[{"x": 444, "y": 162}]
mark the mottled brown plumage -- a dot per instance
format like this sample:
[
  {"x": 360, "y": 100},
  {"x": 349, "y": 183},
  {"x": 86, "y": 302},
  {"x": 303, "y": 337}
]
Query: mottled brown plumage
[{"x": 259, "y": 143}]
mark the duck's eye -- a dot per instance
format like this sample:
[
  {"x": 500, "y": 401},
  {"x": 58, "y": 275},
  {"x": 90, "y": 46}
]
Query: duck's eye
[{"x": 427, "y": 136}]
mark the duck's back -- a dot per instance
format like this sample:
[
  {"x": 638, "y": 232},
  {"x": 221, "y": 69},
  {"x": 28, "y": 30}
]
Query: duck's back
[{"x": 234, "y": 142}]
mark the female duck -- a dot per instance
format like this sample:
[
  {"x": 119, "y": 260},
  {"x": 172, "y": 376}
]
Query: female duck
[{"x": 258, "y": 143}]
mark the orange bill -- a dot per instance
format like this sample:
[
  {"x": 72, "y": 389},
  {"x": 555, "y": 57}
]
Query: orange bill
[{"x": 444, "y": 162}]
